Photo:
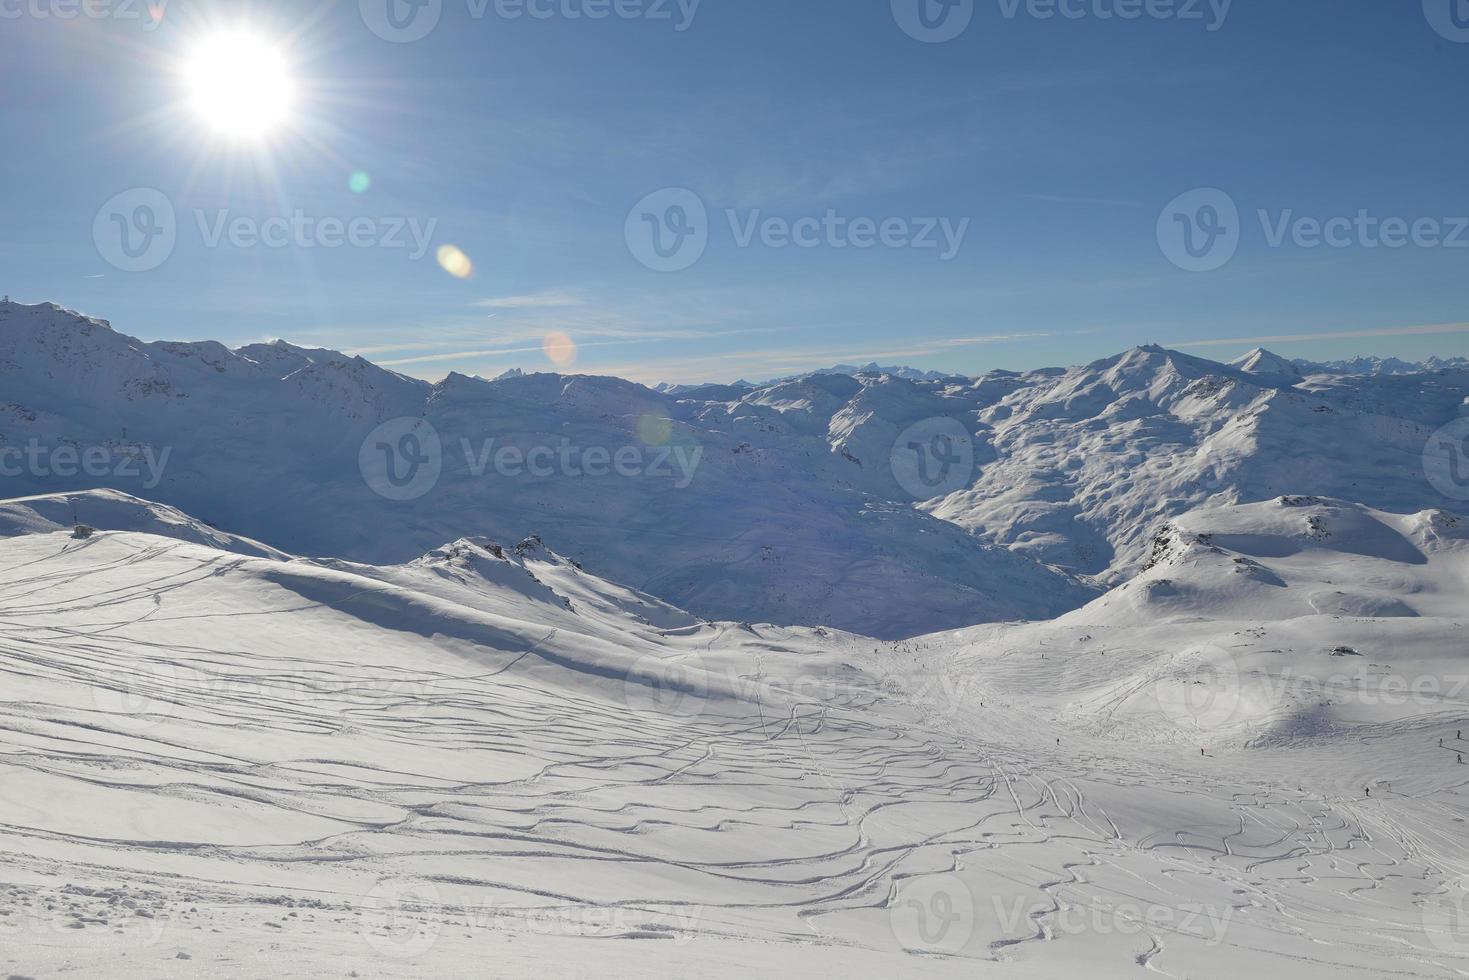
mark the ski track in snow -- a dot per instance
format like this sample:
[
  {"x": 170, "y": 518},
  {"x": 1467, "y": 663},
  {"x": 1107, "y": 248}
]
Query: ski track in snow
[{"x": 189, "y": 746}]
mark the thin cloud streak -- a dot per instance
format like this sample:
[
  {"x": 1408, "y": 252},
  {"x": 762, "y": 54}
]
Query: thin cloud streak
[{"x": 531, "y": 301}]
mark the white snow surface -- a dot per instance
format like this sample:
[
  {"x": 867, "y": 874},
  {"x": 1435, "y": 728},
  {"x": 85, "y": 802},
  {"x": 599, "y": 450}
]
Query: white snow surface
[{"x": 488, "y": 761}]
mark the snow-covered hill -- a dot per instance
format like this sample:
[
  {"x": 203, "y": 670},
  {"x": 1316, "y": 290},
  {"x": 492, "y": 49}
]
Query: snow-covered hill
[
  {"x": 490, "y": 759},
  {"x": 1295, "y": 619}
]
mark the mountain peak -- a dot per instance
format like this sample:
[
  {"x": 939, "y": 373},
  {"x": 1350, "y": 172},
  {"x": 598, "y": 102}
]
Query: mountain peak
[
  {"x": 1266, "y": 364},
  {"x": 59, "y": 315}
]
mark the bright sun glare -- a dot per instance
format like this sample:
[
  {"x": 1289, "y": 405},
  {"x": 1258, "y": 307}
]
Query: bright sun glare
[{"x": 239, "y": 85}]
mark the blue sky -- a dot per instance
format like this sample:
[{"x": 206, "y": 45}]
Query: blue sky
[{"x": 1054, "y": 144}]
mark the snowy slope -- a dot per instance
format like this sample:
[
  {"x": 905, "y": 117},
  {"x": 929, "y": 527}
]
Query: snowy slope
[
  {"x": 490, "y": 761},
  {"x": 1298, "y": 620},
  {"x": 117, "y": 511}
]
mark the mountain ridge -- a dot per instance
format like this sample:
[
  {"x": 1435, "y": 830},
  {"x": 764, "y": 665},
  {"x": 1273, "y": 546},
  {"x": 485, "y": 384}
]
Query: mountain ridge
[{"x": 781, "y": 503}]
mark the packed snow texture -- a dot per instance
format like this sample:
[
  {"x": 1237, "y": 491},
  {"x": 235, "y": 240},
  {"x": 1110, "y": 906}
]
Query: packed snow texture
[{"x": 489, "y": 761}]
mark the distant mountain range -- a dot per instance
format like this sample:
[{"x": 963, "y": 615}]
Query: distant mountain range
[
  {"x": 1383, "y": 365},
  {"x": 869, "y": 501}
]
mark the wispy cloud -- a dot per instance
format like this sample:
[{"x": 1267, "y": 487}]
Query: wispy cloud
[{"x": 531, "y": 301}]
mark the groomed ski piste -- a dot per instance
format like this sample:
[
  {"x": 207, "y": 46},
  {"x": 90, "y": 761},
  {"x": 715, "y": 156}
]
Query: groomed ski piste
[{"x": 221, "y": 760}]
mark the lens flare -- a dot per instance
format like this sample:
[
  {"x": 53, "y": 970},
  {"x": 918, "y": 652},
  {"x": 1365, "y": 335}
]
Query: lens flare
[
  {"x": 559, "y": 348},
  {"x": 654, "y": 430},
  {"x": 453, "y": 261}
]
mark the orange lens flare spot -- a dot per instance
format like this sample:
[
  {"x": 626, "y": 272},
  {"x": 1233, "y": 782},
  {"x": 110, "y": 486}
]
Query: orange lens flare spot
[{"x": 560, "y": 349}]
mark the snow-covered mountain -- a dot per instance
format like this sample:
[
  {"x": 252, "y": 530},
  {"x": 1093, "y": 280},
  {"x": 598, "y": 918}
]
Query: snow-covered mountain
[
  {"x": 1086, "y": 463},
  {"x": 732, "y": 509},
  {"x": 1264, "y": 364},
  {"x": 1382, "y": 365},
  {"x": 872, "y": 367},
  {"x": 780, "y": 503}
]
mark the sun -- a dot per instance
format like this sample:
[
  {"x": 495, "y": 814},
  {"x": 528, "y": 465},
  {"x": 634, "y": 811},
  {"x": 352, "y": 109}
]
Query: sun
[{"x": 239, "y": 85}]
